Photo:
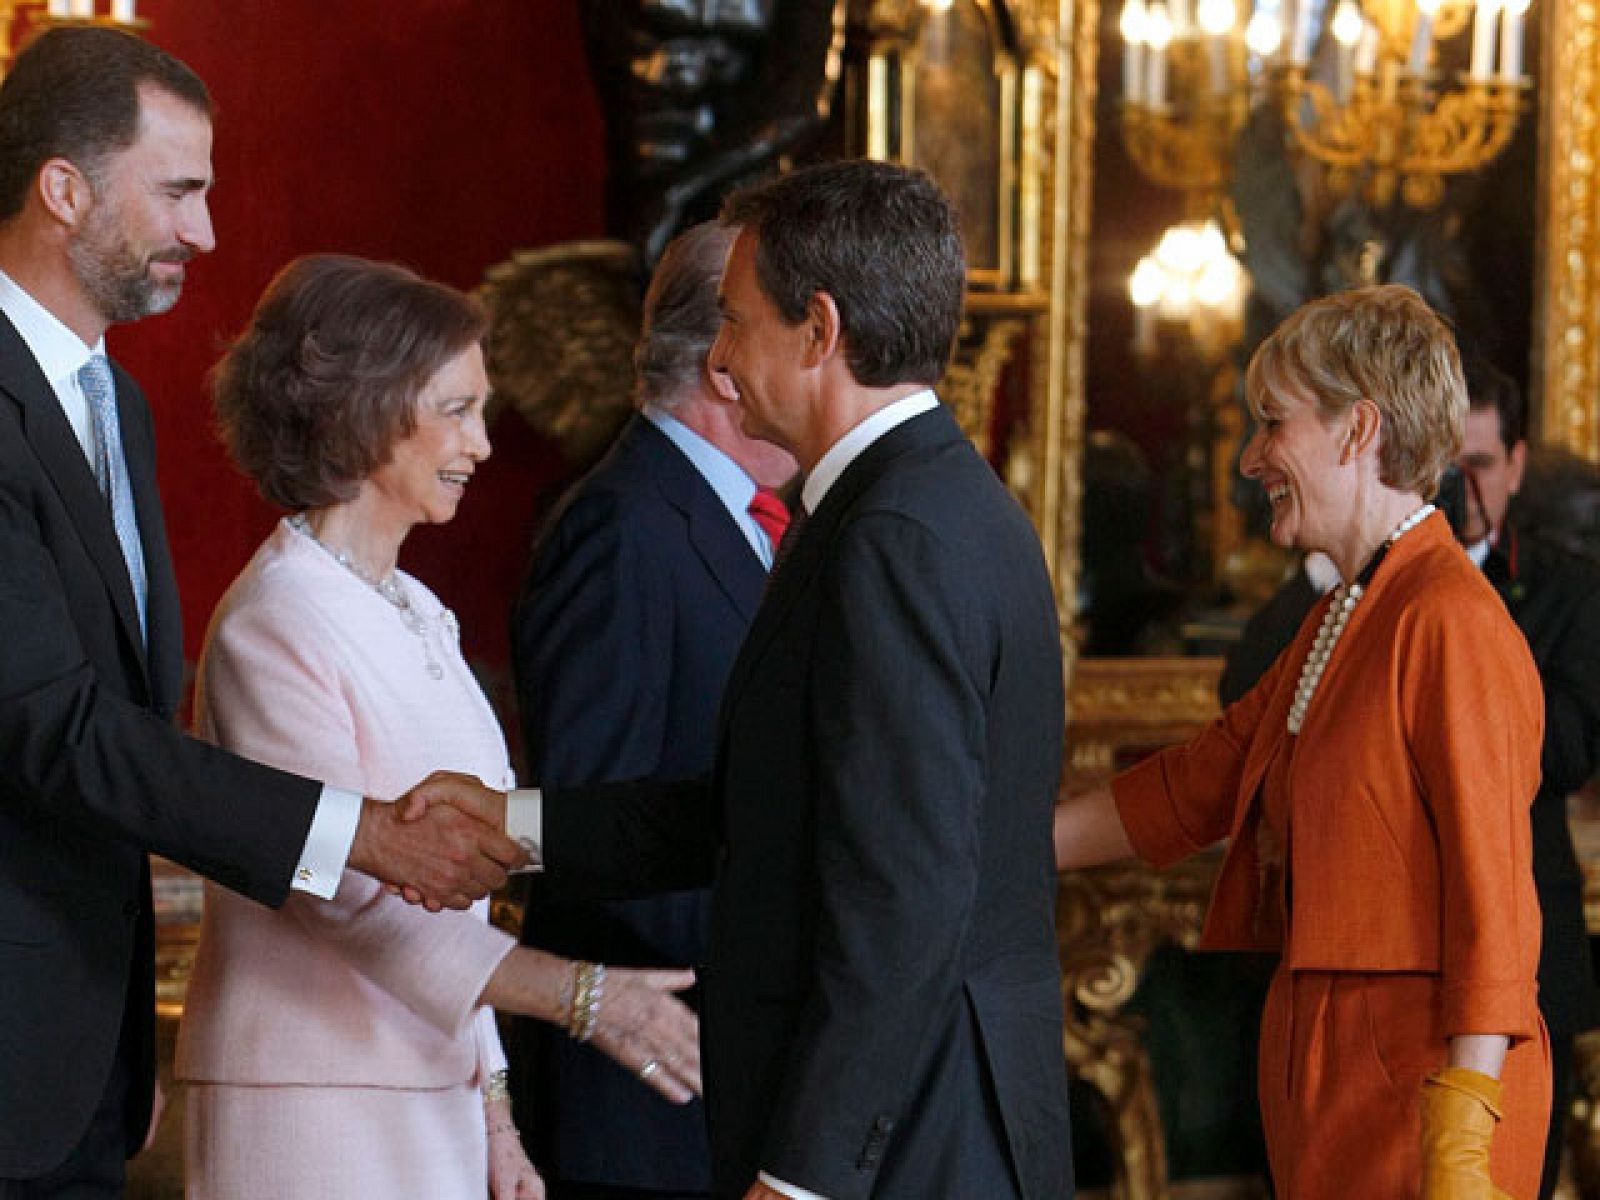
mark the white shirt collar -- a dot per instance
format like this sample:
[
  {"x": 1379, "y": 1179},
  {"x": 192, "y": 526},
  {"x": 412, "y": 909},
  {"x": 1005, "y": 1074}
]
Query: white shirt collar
[
  {"x": 853, "y": 444},
  {"x": 59, "y": 352},
  {"x": 1322, "y": 571}
]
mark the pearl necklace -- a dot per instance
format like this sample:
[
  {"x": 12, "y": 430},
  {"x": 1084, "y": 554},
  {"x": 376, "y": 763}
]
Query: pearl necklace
[
  {"x": 389, "y": 587},
  {"x": 1334, "y": 620}
]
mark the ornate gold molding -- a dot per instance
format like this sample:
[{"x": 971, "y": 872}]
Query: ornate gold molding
[
  {"x": 972, "y": 380},
  {"x": 1108, "y": 922},
  {"x": 1566, "y": 278},
  {"x": 1066, "y": 51},
  {"x": 564, "y": 320}
]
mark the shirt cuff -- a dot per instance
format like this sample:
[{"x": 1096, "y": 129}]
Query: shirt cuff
[
  {"x": 525, "y": 825},
  {"x": 788, "y": 1189},
  {"x": 327, "y": 848}
]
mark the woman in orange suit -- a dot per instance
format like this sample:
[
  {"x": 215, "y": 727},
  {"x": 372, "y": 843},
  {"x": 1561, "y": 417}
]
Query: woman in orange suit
[{"x": 1374, "y": 788}]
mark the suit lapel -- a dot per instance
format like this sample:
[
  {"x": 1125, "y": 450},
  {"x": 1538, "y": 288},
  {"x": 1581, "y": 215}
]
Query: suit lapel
[
  {"x": 811, "y": 548},
  {"x": 61, "y": 455},
  {"x": 713, "y": 533}
]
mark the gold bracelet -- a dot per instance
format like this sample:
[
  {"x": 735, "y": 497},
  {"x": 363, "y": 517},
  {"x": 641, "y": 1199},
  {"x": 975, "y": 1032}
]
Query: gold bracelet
[
  {"x": 588, "y": 988},
  {"x": 498, "y": 1088}
]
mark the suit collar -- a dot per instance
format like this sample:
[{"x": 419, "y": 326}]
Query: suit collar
[
  {"x": 853, "y": 444},
  {"x": 58, "y": 352},
  {"x": 926, "y": 432},
  {"x": 713, "y": 533},
  {"x": 58, "y": 450}
]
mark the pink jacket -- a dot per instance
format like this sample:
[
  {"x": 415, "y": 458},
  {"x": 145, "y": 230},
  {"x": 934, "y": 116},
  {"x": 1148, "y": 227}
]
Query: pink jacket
[{"x": 308, "y": 669}]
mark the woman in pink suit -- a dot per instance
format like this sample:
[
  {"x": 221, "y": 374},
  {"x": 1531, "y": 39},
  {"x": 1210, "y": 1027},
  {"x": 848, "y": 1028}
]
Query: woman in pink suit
[{"x": 347, "y": 1048}]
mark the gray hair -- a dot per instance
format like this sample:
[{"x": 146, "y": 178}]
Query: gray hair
[{"x": 681, "y": 318}]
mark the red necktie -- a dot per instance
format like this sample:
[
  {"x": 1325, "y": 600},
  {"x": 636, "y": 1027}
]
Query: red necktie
[{"x": 771, "y": 513}]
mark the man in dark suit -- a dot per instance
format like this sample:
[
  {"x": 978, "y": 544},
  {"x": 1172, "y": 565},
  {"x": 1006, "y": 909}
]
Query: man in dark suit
[
  {"x": 882, "y": 1008},
  {"x": 638, "y": 595},
  {"x": 1554, "y": 597},
  {"x": 104, "y": 167}
]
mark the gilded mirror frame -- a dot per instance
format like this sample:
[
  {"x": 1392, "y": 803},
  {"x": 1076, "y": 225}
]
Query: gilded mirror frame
[
  {"x": 1566, "y": 285},
  {"x": 1566, "y": 366}
]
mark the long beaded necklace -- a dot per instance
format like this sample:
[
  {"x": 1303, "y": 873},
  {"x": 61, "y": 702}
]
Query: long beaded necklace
[
  {"x": 1336, "y": 618},
  {"x": 389, "y": 587}
]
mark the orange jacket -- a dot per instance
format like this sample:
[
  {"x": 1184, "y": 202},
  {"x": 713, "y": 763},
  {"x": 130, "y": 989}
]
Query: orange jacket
[{"x": 1409, "y": 841}]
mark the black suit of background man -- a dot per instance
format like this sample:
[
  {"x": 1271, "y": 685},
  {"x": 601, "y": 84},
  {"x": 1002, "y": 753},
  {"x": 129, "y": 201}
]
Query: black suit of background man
[{"x": 637, "y": 598}]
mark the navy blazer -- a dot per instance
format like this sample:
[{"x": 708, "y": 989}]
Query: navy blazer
[
  {"x": 637, "y": 598},
  {"x": 93, "y": 774},
  {"x": 882, "y": 1012}
]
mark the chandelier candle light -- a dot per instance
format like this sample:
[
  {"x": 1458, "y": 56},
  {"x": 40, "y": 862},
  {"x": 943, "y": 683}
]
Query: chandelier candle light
[
  {"x": 1359, "y": 86},
  {"x": 41, "y": 14}
]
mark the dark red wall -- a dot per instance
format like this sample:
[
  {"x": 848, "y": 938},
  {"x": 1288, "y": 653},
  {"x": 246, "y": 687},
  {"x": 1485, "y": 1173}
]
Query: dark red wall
[{"x": 440, "y": 133}]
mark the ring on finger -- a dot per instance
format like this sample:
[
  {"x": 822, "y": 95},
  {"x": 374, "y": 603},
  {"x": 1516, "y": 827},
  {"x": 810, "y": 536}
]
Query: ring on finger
[{"x": 650, "y": 1067}]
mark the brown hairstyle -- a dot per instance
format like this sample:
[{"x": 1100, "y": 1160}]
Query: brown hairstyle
[
  {"x": 1382, "y": 344},
  {"x": 317, "y": 390},
  {"x": 73, "y": 93},
  {"x": 883, "y": 241},
  {"x": 681, "y": 319}
]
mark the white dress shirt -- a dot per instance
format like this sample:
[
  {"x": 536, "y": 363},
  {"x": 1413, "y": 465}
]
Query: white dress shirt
[{"x": 61, "y": 354}]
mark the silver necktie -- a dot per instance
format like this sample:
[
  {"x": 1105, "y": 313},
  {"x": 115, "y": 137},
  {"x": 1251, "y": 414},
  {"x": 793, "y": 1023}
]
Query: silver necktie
[{"x": 111, "y": 471}]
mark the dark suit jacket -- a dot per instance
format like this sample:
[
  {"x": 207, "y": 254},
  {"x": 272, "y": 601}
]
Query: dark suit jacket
[
  {"x": 93, "y": 773},
  {"x": 1554, "y": 597},
  {"x": 636, "y": 600},
  {"x": 882, "y": 1011}
]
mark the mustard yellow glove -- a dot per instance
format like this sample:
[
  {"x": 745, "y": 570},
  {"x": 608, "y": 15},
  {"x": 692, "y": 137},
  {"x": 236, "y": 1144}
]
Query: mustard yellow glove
[{"x": 1459, "y": 1110}]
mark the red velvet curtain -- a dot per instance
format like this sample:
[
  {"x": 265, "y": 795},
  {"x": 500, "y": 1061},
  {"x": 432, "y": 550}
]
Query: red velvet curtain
[{"x": 443, "y": 134}]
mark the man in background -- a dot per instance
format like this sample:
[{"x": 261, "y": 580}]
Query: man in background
[
  {"x": 1554, "y": 597},
  {"x": 636, "y": 601},
  {"x": 105, "y": 164}
]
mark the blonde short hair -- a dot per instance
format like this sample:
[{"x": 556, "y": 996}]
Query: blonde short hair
[{"x": 1385, "y": 345}]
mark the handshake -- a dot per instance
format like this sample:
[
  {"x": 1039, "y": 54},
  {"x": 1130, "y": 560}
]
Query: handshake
[{"x": 442, "y": 845}]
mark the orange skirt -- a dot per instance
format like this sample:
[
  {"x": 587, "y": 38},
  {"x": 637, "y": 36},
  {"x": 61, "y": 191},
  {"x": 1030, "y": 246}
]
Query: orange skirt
[{"x": 1343, "y": 1057}]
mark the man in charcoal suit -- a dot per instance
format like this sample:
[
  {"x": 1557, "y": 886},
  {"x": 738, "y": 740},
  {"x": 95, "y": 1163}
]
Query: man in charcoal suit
[
  {"x": 882, "y": 1007},
  {"x": 637, "y": 598},
  {"x": 105, "y": 163}
]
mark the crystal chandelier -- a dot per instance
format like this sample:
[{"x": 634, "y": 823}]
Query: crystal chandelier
[
  {"x": 1363, "y": 86},
  {"x": 1192, "y": 284}
]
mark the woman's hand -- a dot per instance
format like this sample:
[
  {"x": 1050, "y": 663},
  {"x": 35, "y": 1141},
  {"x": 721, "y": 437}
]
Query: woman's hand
[
  {"x": 511, "y": 1175},
  {"x": 650, "y": 1031},
  {"x": 1460, "y": 1108}
]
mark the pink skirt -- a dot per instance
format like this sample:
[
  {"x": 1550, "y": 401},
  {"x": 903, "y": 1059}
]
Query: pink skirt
[{"x": 283, "y": 1142}]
